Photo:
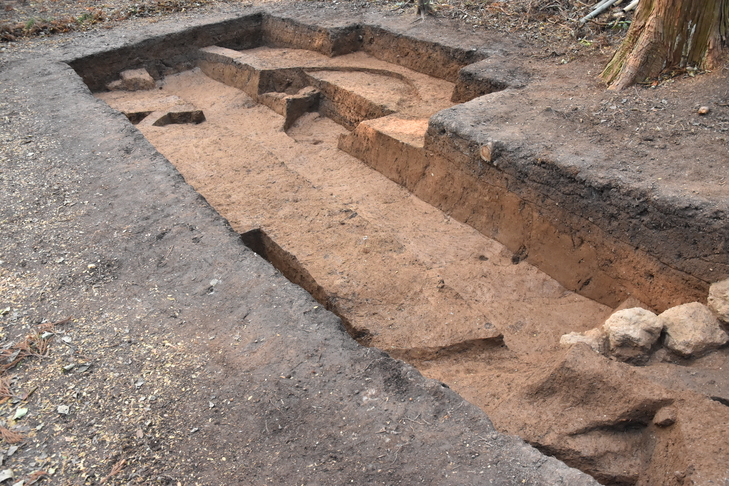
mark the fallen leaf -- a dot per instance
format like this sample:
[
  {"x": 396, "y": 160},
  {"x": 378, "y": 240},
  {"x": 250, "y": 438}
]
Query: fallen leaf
[
  {"x": 36, "y": 476},
  {"x": 20, "y": 412},
  {"x": 9, "y": 436}
]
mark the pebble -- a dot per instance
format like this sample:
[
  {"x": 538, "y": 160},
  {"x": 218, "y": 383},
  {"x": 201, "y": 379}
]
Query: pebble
[
  {"x": 704, "y": 110},
  {"x": 665, "y": 417}
]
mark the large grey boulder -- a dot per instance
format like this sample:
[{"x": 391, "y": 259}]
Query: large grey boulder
[
  {"x": 692, "y": 330},
  {"x": 632, "y": 333}
]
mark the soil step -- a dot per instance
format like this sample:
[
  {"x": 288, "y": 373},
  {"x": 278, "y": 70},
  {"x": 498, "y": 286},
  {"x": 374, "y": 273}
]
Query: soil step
[
  {"x": 392, "y": 145},
  {"x": 353, "y": 87}
]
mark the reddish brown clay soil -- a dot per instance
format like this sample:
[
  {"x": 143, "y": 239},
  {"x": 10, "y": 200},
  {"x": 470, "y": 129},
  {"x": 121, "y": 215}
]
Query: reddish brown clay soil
[{"x": 410, "y": 280}]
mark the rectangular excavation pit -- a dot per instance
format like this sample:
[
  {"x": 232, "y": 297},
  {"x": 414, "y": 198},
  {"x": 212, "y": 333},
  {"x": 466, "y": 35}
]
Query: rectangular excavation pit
[
  {"x": 588, "y": 254},
  {"x": 460, "y": 305}
]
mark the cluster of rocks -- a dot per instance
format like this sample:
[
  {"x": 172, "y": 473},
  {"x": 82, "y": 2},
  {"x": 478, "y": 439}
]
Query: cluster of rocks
[{"x": 689, "y": 331}]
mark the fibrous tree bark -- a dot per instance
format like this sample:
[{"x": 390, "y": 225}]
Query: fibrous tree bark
[{"x": 670, "y": 34}]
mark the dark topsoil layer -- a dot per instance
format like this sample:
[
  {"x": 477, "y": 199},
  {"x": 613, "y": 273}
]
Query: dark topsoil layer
[{"x": 193, "y": 360}]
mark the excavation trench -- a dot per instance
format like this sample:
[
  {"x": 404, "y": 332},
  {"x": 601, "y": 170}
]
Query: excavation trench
[{"x": 326, "y": 166}]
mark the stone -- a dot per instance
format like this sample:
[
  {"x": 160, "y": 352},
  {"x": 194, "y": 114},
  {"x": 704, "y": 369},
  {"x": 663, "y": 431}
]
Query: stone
[
  {"x": 692, "y": 330},
  {"x": 133, "y": 80},
  {"x": 665, "y": 417},
  {"x": 487, "y": 152},
  {"x": 632, "y": 333},
  {"x": 718, "y": 300},
  {"x": 595, "y": 338}
]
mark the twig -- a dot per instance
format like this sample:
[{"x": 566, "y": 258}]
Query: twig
[
  {"x": 115, "y": 469},
  {"x": 416, "y": 420},
  {"x": 9, "y": 436},
  {"x": 399, "y": 447},
  {"x": 36, "y": 476}
]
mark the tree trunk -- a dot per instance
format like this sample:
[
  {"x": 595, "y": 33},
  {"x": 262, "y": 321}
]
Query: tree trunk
[{"x": 669, "y": 34}]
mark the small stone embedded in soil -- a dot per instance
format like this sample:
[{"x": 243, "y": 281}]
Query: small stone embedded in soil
[
  {"x": 692, "y": 330},
  {"x": 704, "y": 110},
  {"x": 594, "y": 338},
  {"x": 487, "y": 152},
  {"x": 20, "y": 413},
  {"x": 665, "y": 417},
  {"x": 718, "y": 300},
  {"x": 64, "y": 409},
  {"x": 133, "y": 80}
]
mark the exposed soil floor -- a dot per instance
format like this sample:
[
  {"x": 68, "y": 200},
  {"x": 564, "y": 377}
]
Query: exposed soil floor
[{"x": 410, "y": 280}]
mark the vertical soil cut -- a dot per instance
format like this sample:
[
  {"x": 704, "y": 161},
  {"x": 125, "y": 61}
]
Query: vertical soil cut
[{"x": 290, "y": 267}]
